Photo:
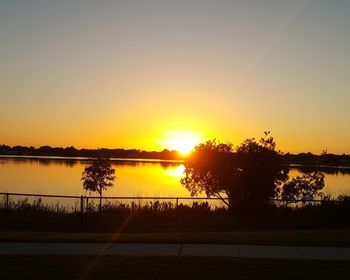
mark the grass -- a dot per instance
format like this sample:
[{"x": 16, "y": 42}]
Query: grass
[
  {"x": 167, "y": 268},
  {"x": 325, "y": 237}
]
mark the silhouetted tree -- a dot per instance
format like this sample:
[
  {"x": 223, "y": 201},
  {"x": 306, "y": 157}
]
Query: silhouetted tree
[
  {"x": 246, "y": 179},
  {"x": 98, "y": 176},
  {"x": 209, "y": 169},
  {"x": 305, "y": 187},
  {"x": 263, "y": 172}
]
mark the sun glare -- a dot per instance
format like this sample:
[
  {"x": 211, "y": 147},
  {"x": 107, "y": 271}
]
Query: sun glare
[
  {"x": 181, "y": 141},
  {"x": 176, "y": 172}
]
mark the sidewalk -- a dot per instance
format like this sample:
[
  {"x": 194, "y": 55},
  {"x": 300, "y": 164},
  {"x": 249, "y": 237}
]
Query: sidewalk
[{"x": 147, "y": 249}]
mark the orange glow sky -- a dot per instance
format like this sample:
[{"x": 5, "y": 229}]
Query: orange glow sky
[{"x": 135, "y": 74}]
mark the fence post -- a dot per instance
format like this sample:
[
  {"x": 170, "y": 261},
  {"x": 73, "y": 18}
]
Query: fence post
[
  {"x": 177, "y": 213},
  {"x": 87, "y": 204},
  {"x": 7, "y": 206},
  {"x": 86, "y": 210},
  {"x": 81, "y": 211}
]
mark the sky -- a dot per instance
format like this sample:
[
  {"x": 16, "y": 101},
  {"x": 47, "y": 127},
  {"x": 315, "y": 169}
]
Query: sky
[{"x": 144, "y": 74}]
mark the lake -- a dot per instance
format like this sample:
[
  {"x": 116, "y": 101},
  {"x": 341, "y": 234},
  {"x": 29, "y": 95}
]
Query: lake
[{"x": 134, "y": 178}]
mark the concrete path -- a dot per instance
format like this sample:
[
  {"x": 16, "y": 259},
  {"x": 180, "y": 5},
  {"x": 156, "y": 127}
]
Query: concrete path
[{"x": 147, "y": 249}]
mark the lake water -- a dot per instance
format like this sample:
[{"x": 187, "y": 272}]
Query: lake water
[{"x": 134, "y": 178}]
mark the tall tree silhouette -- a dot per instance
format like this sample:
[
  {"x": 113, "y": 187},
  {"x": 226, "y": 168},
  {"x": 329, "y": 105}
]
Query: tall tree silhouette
[
  {"x": 98, "y": 176},
  {"x": 245, "y": 178}
]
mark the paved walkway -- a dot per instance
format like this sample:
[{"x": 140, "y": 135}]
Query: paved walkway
[{"x": 147, "y": 249}]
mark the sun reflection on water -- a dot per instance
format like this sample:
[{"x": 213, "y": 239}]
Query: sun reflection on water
[{"x": 177, "y": 172}]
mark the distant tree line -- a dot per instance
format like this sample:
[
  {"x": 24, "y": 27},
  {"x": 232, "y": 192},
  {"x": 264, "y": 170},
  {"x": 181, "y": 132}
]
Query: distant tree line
[
  {"x": 310, "y": 159},
  {"x": 306, "y": 159},
  {"x": 93, "y": 153}
]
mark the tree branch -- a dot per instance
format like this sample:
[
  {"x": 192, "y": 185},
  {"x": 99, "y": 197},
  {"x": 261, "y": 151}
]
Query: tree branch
[{"x": 223, "y": 199}]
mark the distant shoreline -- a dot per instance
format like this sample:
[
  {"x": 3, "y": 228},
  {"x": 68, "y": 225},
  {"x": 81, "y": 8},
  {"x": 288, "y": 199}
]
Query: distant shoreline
[
  {"x": 90, "y": 158},
  {"x": 166, "y": 156},
  {"x": 147, "y": 160}
]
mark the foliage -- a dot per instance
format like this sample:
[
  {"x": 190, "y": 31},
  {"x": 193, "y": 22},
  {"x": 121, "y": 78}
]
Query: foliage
[
  {"x": 305, "y": 187},
  {"x": 98, "y": 176},
  {"x": 208, "y": 169},
  {"x": 247, "y": 178},
  {"x": 263, "y": 172}
]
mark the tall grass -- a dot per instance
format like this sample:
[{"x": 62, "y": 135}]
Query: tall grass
[{"x": 156, "y": 215}]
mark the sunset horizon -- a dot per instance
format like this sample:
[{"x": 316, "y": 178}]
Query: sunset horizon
[
  {"x": 180, "y": 145},
  {"x": 128, "y": 75},
  {"x": 175, "y": 139}
]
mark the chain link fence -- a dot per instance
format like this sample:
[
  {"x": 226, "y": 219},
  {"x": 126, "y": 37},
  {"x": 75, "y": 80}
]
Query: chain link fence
[
  {"x": 100, "y": 213},
  {"x": 50, "y": 203}
]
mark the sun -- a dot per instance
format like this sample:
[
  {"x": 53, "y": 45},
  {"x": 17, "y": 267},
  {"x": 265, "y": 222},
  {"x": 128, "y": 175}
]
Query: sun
[
  {"x": 183, "y": 146},
  {"x": 181, "y": 141}
]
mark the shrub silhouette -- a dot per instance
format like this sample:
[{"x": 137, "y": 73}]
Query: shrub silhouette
[{"x": 302, "y": 188}]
